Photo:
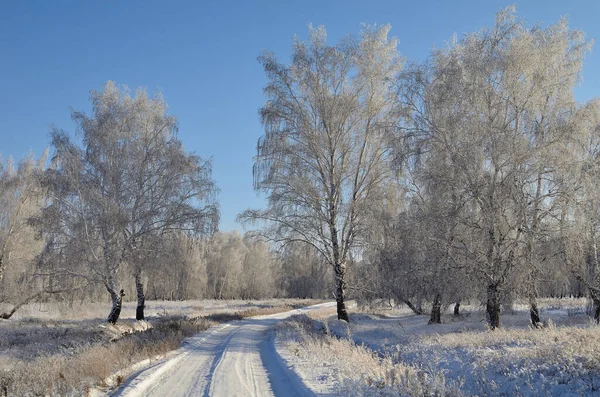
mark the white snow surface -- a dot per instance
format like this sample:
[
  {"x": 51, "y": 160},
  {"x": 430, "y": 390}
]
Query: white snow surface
[
  {"x": 497, "y": 368},
  {"x": 234, "y": 359}
]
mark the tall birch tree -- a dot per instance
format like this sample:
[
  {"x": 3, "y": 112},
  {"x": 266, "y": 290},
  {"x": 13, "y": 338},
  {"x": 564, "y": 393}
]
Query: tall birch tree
[
  {"x": 130, "y": 184},
  {"x": 323, "y": 159}
]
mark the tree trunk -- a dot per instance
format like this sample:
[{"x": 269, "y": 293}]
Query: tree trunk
[
  {"x": 182, "y": 284},
  {"x": 534, "y": 313},
  {"x": 596, "y": 308},
  {"x": 117, "y": 301},
  {"x": 436, "y": 310},
  {"x": 493, "y": 306},
  {"x": 534, "y": 272},
  {"x": 596, "y": 268},
  {"x": 417, "y": 310},
  {"x": 457, "y": 308},
  {"x": 2, "y": 267},
  {"x": 141, "y": 298},
  {"x": 340, "y": 293}
]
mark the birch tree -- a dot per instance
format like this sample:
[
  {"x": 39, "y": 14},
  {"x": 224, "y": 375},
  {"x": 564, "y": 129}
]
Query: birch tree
[
  {"x": 323, "y": 159},
  {"x": 168, "y": 190},
  {"x": 496, "y": 105},
  {"x": 130, "y": 183}
]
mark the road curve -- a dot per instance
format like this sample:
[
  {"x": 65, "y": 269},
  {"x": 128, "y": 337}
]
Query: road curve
[{"x": 233, "y": 359}]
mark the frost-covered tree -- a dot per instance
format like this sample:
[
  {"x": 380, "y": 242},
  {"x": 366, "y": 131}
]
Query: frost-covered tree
[
  {"x": 224, "y": 265},
  {"x": 494, "y": 110},
  {"x": 323, "y": 159},
  {"x": 130, "y": 183},
  {"x": 185, "y": 276},
  {"x": 258, "y": 278},
  {"x": 21, "y": 197}
]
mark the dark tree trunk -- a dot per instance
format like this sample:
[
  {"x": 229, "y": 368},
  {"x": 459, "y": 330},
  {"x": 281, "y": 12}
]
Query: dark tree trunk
[
  {"x": 596, "y": 307},
  {"x": 416, "y": 310},
  {"x": 534, "y": 313},
  {"x": 493, "y": 306},
  {"x": 2, "y": 267},
  {"x": 340, "y": 284},
  {"x": 182, "y": 285},
  {"x": 436, "y": 310},
  {"x": 141, "y": 298},
  {"x": 115, "y": 312},
  {"x": 457, "y": 308}
]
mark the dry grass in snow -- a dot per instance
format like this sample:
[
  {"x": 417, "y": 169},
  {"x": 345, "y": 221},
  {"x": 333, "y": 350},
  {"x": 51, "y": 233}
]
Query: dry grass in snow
[
  {"x": 191, "y": 308},
  {"x": 43, "y": 354},
  {"x": 73, "y": 368},
  {"x": 562, "y": 359},
  {"x": 339, "y": 366}
]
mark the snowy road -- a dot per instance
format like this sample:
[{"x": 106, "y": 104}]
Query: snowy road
[{"x": 234, "y": 359}]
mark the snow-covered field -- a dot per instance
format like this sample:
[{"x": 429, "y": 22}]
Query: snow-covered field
[
  {"x": 382, "y": 352},
  {"x": 99, "y": 310},
  {"x": 391, "y": 352}
]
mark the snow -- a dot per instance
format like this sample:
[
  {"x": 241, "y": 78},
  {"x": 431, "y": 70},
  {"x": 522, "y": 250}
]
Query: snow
[
  {"x": 560, "y": 360},
  {"x": 514, "y": 361},
  {"x": 235, "y": 359}
]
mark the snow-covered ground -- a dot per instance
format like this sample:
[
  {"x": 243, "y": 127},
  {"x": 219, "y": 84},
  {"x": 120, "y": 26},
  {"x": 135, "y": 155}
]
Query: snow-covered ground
[
  {"x": 458, "y": 357},
  {"x": 39, "y": 311},
  {"x": 54, "y": 349},
  {"x": 234, "y": 359},
  {"x": 380, "y": 353}
]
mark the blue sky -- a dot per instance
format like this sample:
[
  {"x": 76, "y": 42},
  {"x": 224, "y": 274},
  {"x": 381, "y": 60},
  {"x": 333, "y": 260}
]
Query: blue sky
[{"x": 202, "y": 56}]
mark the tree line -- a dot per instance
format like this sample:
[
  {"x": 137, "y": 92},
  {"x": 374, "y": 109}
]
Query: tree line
[
  {"x": 469, "y": 176},
  {"x": 122, "y": 206}
]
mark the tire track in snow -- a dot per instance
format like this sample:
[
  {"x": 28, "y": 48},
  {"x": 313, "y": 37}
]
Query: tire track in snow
[{"x": 236, "y": 359}]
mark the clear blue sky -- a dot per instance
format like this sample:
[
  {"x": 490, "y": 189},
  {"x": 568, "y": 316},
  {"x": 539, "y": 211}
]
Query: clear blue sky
[{"x": 202, "y": 56}]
